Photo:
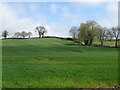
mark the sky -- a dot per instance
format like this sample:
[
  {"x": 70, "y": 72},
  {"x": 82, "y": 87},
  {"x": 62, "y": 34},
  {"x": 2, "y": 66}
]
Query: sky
[{"x": 57, "y": 17}]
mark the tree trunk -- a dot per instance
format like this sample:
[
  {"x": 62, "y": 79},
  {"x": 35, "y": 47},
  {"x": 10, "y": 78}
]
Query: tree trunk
[
  {"x": 101, "y": 43},
  {"x": 86, "y": 41},
  {"x": 116, "y": 42},
  {"x": 43, "y": 36},
  {"x": 39, "y": 36},
  {"x": 91, "y": 41}
]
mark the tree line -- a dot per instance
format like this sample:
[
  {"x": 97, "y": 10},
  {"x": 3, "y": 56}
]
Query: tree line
[
  {"x": 90, "y": 30},
  {"x": 41, "y": 30},
  {"x": 84, "y": 34}
]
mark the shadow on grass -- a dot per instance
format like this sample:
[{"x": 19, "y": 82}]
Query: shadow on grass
[{"x": 73, "y": 44}]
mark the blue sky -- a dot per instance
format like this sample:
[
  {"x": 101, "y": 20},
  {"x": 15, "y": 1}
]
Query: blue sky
[{"x": 57, "y": 17}]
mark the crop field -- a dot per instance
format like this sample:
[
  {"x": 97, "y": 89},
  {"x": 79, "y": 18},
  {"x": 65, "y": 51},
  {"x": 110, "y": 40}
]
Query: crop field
[
  {"x": 108, "y": 43},
  {"x": 55, "y": 63}
]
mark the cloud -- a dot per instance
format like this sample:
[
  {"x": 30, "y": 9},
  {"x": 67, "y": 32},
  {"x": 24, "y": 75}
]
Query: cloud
[
  {"x": 107, "y": 17},
  {"x": 58, "y": 28},
  {"x": 8, "y": 17},
  {"x": 112, "y": 8},
  {"x": 85, "y": 4},
  {"x": 34, "y": 7},
  {"x": 12, "y": 21},
  {"x": 112, "y": 15},
  {"x": 54, "y": 8},
  {"x": 68, "y": 17}
]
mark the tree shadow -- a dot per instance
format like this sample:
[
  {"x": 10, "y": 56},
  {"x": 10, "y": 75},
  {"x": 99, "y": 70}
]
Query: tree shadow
[
  {"x": 74, "y": 49},
  {"x": 73, "y": 44}
]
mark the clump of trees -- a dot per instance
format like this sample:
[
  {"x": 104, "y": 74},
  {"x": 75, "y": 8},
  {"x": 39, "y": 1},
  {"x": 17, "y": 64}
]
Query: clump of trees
[
  {"x": 84, "y": 34},
  {"x": 101, "y": 34},
  {"x": 91, "y": 30},
  {"x": 22, "y": 34},
  {"x": 41, "y": 30},
  {"x": 17, "y": 34},
  {"x": 5, "y": 34},
  {"x": 116, "y": 34},
  {"x": 29, "y": 34},
  {"x": 74, "y": 32},
  {"x": 87, "y": 32}
]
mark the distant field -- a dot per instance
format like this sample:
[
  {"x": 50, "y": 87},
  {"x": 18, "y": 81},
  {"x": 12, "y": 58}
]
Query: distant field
[{"x": 55, "y": 63}]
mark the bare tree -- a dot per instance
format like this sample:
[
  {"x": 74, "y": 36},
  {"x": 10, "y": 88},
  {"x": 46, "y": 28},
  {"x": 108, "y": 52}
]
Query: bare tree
[
  {"x": 115, "y": 34},
  {"x": 29, "y": 34},
  {"x": 74, "y": 32},
  {"x": 41, "y": 30},
  {"x": 102, "y": 34},
  {"x": 23, "y": 34},
  {"x": 17, "y": 34},
  {"x": 44, "y": 31},
  {"x": 5, "y": 34},
  {"x": 110, "y": 35}
]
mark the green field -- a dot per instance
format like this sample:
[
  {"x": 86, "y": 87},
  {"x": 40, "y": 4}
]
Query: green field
[
  {"x": 109, "y": 43},
  {"x": 55, "y": 63}
]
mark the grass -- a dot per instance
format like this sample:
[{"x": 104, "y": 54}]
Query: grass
[
  {"x": 54, "y": 63},
  {"x": 106, "y": 43}
]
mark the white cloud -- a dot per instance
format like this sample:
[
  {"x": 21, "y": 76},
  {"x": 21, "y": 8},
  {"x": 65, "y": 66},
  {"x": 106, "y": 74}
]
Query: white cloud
[
  {"x": 105, "y": 22},
  {"x": 107, "y": 19},
  {"x": 8, "y": 16},
  {"x": 11, "y": 21},
  {"x": 112, "y": 8},
  {"x": 54, "y": 8},
  {"x": 85, "y": 4},
  {"x": 13, "y": 24},
  {"x": 112, "y": 15},
  {"x": 57, "y": 28},
  {"x": 70, "y": 18},
  {"x": 34, "y": 7},
  {"x": 19, "y": 8}
]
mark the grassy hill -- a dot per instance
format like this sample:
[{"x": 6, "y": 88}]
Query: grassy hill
[{"x": 55, "y": 63}]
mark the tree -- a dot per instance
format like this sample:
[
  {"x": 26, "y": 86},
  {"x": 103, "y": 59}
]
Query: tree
[
  {"x": 102, "y": 34},
  {"x": 87, "y": 32},
  {"x": 29, "y": 34},
  {"x": 116, "y": 34},
  {"x": 23, "y": 34},
  {"x": 5, "y": 34},
  {"x": 74, "y": 32},
  {"x": 41, "y": 30},
  {"x": 17, "y": 34},
  {"x": 110, "y": 35}
]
